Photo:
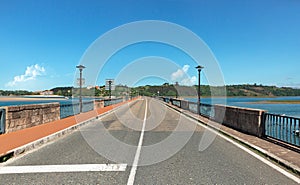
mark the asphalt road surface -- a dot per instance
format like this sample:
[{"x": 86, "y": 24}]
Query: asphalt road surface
[{"x": 143, "y": 142}]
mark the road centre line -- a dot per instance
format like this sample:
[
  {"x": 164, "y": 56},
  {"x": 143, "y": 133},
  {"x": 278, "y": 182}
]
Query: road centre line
[
  {"x": 63, "y": 168},
  {"x": 138, "y": 150}
]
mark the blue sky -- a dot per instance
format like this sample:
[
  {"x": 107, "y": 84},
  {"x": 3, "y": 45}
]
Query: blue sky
[{"x": 255, "y": 41}]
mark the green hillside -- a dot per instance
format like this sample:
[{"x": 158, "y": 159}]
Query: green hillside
[
  {"x": 172, "y": 90},
  {"x": 231, "y": 90}
]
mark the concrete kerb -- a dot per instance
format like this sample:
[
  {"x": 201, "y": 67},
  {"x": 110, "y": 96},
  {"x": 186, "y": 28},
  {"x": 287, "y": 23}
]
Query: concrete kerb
[
  {"x": 35, "y": 144},
  {"x": 261, "y": 151},
  {"x": 46, "y": 139}
]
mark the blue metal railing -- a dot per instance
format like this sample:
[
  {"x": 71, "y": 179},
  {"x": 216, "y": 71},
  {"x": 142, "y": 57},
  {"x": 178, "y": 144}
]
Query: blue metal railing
[
  {"x": 108, "y": 102},
  {"x": 193, "y": 107},
  {"x": 176, "y": 102},
  {"x": 283, "y": 128},
  {"x": 206, "y": 110},
  {"x": 166, "y": 99},
  {"x": 71, "y": 109},
  {"x": 2, "y": 121},
  {"x": 67, "y": 110}
]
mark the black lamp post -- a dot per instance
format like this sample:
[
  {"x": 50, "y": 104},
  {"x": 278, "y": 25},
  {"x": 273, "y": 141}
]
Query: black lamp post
[
  {"x": 80, "y": 67},
  {"x": 176, "y": 89},
  {"x": 109, "y": 89},
  {"x": 198, "y": 103}
]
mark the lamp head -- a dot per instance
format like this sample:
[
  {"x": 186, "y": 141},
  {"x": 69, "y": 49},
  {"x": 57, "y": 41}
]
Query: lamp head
[
  {"x": 199, "y": 67},
  {"x": 80, "y": 67}
]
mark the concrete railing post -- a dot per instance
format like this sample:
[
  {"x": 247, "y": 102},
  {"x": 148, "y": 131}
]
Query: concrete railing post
[{"x": 250, "y": 121}]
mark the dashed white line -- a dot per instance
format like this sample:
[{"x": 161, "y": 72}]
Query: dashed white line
[
  {"x": 138, "y": 151},
  {"x": 63, "y": 168}
]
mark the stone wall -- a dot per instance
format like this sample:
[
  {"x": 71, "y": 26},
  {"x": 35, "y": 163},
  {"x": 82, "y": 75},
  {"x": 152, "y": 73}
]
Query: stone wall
[
  {"x": 242, "y": 119},
  {"x": 25, "y": 116}
]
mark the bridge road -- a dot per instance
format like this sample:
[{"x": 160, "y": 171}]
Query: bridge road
[{"x": 221, "y": 163}]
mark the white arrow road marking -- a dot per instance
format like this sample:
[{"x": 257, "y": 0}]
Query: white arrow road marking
[{"x": 63, "y": 168}]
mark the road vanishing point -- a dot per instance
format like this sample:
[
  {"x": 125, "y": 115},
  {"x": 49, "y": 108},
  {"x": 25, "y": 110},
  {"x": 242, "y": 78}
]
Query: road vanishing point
[{"x": 72, "y": 159}]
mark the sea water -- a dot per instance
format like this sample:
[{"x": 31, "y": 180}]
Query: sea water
[{"x": 257, "y": 103}]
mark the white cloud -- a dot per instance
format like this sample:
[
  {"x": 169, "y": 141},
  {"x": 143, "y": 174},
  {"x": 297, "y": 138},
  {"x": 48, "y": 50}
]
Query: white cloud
[
  {"x": 179, "y": 73},
  {"x": 185, "y": 68},
  {"x": 189, "y": 81},
  {"x": 30, "y": 74},
  {"x": 182, "y": 77}
]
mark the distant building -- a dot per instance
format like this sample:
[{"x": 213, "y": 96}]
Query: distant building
[
  {"x": 47, "y": 92},
  {"x": 90, "y": 87}
]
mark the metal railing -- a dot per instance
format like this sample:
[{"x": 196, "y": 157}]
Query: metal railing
[
  {"x": 193, "y": 107},
  {"x": 279, "y": 127},
  {"x": 283, "y": 128},
  {"x": 2, "y": 121},
  {"x": 67, "y": 110},
  {"x": 176, "y": 102},
  {"x": 108, "y": 102},
  {"x": 71, "y": 109},
  {"x": 206, "y": 110}
]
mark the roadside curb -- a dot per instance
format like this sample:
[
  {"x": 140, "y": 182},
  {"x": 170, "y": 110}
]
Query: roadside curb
[
  {"x": 39, "y": 142},
  {"x": 263, "y": 152},
  {"x": 46, "y": 139}
]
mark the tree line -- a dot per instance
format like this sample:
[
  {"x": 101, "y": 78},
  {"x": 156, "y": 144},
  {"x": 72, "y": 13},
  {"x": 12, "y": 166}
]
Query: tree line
[{"x": 171, "y": 90}]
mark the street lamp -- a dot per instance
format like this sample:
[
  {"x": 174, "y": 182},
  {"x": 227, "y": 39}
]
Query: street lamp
[
  {"x": 176, "y": 89},
  {"x": 198, "y": 103},
  {"x": 109, "y": 89},
  {"x": 80, "y": 67}
]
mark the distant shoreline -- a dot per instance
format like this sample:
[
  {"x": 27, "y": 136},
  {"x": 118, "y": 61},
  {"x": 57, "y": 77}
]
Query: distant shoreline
[
  {"x": 235, "y": 96},
  {"x": 276, "y": 102},
  {"x": 29, "y": 98}
]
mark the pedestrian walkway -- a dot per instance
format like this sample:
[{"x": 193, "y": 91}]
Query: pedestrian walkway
[
  {"x": 25, "y": 139},
  {"x": 279, "y": 154}
]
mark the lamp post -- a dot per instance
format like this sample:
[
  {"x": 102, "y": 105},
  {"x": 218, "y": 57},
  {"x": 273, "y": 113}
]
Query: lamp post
[
  {"x": 198, "y": 103},
  {"x": 176, "y": 89},
  {"x": 80, "y": 67},
  {"x": 109, "y": 89}
]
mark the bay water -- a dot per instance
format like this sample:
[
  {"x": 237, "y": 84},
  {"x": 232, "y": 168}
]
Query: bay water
[{"x": 258, "y": 103}]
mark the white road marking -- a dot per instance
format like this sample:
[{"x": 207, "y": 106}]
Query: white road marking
[
  {"x": 19, "y": 157},
  {"x": 63, "y": 168},
  {"x": 262, "y": 159},
  {"x": 138, "y": 151}
]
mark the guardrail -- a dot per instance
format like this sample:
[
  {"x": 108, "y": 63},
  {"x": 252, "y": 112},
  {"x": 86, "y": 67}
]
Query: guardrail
[
  {"x": 108, "y": 102},
  {"x": 252, "y": 121},
  {"x": 2, "y": 120},
  {"x": 283, "y": 128},
  {"x": 67, "y": 110},
  {"x": 206, "y": 110}
]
